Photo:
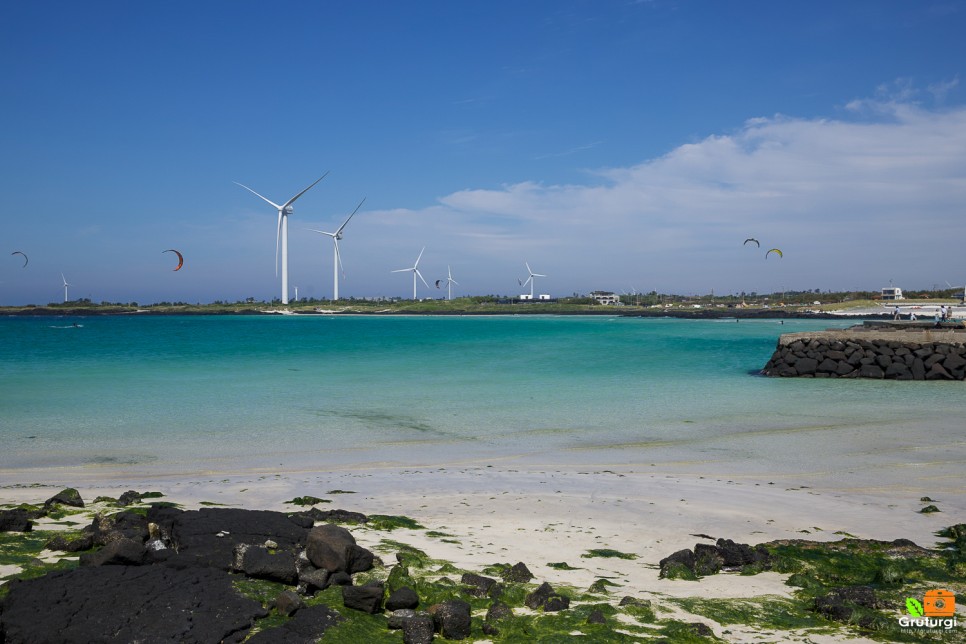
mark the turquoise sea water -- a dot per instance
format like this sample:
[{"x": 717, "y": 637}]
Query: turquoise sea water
[{"x": 213, "y": 392}]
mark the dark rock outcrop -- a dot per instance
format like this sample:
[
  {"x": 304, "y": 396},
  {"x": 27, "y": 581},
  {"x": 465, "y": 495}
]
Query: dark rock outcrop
[
  {"x": 15, "y": 520},
  {"x": 126, "y": 603}
]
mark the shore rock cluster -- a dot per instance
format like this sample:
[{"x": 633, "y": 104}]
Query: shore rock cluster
[
  {"x": 822, "y": 357},
  {"x": 173, "y": 574}
]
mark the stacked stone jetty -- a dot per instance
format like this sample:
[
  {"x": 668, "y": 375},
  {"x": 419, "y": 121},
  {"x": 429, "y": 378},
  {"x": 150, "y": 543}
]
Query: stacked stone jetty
[{"x": 872, "y": 351}]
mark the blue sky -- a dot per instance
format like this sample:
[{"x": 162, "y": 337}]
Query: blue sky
[{"x": 612, "y": 145}]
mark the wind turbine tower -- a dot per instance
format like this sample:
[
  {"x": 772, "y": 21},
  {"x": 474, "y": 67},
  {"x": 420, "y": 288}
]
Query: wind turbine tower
[
  {"x": 65, "y": 287},
  {"x": 336, "y": 257},
  {"x": 449, "y": 283},
  {"x": 530, "y": 278},
  {"x": 281, "y": 233},
  {"x": 415, "y": 269}
]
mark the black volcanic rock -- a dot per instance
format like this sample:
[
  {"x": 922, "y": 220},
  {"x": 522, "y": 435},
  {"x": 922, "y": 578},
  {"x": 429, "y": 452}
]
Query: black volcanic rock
[{"x": 127, "y": 604}]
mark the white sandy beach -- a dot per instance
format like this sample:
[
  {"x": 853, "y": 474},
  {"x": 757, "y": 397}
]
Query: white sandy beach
[{"x": 507, "y": 512}]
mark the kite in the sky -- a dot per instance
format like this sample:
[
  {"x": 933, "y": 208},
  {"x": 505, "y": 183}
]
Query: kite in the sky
[
  {"x": 25, "y": 260},
  {"x": 437, "y": 283},
  {"x": 180, "y": 258},
  {"x": 752, "y": 239},
  {"x": 774, "y": 250}
]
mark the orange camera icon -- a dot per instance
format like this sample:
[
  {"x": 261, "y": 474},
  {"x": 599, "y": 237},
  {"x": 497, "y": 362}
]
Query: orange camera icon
[{"x": 939, "y": 603}]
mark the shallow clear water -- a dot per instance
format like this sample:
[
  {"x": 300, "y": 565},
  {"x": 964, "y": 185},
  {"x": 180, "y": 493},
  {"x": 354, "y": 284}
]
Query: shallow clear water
[{"x": 216, "y": 391}]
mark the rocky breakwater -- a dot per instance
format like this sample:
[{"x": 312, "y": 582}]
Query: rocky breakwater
[{"x": 909, "y": 354}]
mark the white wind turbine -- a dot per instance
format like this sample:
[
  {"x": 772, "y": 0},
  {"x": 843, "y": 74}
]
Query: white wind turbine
[
  {"x": 65, "y": 287},
  {"x": 449, "y": 283},
  {"x": 415, "y": 269},
  {"x": 282, "y": 232},
  {"x": 336, "y": 257},
  {"x": 530, "y": 279}
]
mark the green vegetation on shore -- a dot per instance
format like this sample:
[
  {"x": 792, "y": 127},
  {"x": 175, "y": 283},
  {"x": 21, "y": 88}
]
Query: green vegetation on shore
[{"x": 604, "y": 612}]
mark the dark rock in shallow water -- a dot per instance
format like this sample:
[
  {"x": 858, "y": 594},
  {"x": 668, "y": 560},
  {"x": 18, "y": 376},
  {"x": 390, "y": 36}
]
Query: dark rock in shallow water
[
  {"x": 308, "y": 625},
  {"x": 126, "y": 604},
  {"x": 15, "y": 521}
]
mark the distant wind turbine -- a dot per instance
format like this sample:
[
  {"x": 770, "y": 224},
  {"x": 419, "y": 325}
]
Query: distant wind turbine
[
  {"x": 449, "y": 283},
  {"x": 282, "y": 232},
  {"x": 336, "y": 257},
  {"x": 65, "y": 287},
  {"x": 530, "y": 279},
  {"x": 415, "y": 269}
]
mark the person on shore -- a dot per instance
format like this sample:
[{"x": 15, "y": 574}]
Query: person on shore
[
  {"x": 943, "y": 313},
  {"x": 895, "y": 312},
  {"x": 912, "y": 316}
]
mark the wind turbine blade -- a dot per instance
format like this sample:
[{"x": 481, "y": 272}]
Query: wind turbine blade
[
  {"x": 420, "y": 276},
  {"x": 350, "y": 216},
  {"x": 278, "y": 236},
  {"x": 539, "y": 275},
  {"x": 338, "y": 255},
  {"x": 528, "y": 268},
  {"x": 292, "y": 200},
  {"x": 258, "y": 195},
  {"x": 454, "y": 281},
  {"x": 401, "y": 270},
  {"x": 419, "y": 258},
  {"x": 321, "y": 231}
]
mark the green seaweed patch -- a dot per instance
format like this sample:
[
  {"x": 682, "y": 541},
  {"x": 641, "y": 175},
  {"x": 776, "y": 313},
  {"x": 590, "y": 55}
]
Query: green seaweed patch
[
  {"x": 562, "y": 565},
  {"x": 495, "y": 570},
  {"x": 929, "y": 509},
  {"x": 151, "y": 495},
  {"x": 307, "y": 500},
  {"x": 105, "y": 499},
  {"x": 641, "y": 611},
  {"x": 211, "y": 503},
  {"x": 340, "y": 492},
  {"x": 608, "y": 553},
  {"x": 817, "y": 566},
  {"x": 391, "y": 522},
  {"x": 774, "y": 613},
  {"x": 678, "y": 571},
  {"x": 601, "y": 585},
  {"x": 684, "y": 633},
  {"x": 438, "y": 534},
  {"x": 406, "y": 554},
  {"x": 565, "y": 627}
]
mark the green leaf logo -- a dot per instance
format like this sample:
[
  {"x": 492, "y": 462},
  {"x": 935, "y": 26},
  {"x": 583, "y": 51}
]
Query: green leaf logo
[{"x": 914, "y": 607}]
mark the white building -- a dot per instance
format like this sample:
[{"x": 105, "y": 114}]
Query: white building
[
  {"x": 606, "y": 298},
  {"x": 892, "y": 293}
]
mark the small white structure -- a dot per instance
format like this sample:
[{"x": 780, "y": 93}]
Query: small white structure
[
  {"x": 892, "y": 293},
  {"x": 606, "y": 298},
  {"x": 526, "y": 296},
  {"x": 544, "y": 296}
]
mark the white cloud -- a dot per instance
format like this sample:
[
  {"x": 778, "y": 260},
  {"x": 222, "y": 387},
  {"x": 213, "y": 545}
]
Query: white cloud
[{"x": 853, "y": 204}]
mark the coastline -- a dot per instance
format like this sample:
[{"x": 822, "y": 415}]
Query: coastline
[{"x": 474, "y": 516}]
